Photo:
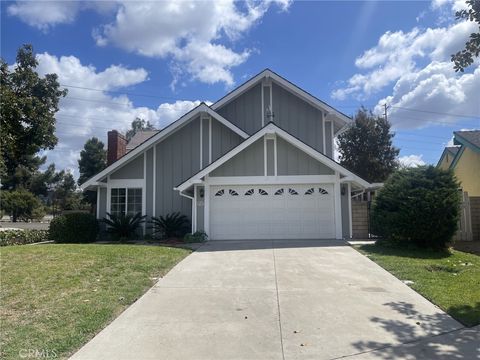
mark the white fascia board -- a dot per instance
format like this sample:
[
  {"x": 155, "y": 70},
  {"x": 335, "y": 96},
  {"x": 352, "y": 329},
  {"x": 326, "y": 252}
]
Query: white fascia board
[
  {"x": 159, "y": 137},
  {"x": 272, "y": 128}
]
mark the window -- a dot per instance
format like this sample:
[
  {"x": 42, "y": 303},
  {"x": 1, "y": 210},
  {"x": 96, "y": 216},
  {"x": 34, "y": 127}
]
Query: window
[
  {"x": 322, "y": 191},
  {"x": 279, "y": 192},
  {"x": 292, "y": 191},
  {"x": 249, "y": 192},
  {"x": 126, "y": 201},
  {"x": 232, "y": 192},
  {"x": 262, "y": 192},
  {"x": 309, "y": 191},
  {"x": 220, "y": 192}
]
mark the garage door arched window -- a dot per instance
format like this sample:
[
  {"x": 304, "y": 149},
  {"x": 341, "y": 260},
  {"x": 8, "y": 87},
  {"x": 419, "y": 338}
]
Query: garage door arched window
[
  {"x": 249, "y": 192},
  {"x": 292, "y": 191},
  {"x": 220, "y": 192},
  {"x": 310, "y": 191},
  {"x": 262, "y": 192},
  {"x": 232, "y": 192},
  {"x": 322, "y": 191},
  {"x": 279, "y": 192}
]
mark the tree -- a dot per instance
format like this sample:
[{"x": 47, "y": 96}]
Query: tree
[
  {"x": 418, "y": 205},
  {"x": 93, "y": 159},
  {"x": 21, "y": 204},
  {"x": 366, "y": 147},
  {"x": 464, "y": 58},
  {"x": 28, "y": 104},
  {"x": 138, "y": 125}
]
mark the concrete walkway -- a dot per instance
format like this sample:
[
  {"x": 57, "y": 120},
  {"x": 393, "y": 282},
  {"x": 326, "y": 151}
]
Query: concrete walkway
[{"x": 281, "y": 300}]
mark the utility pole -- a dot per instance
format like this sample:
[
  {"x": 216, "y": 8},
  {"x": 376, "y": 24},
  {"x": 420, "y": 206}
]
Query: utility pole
[{"x": 385, "y": 114}]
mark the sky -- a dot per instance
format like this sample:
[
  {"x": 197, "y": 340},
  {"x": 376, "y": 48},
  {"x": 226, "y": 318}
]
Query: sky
[{"x": 157, "y": 60}]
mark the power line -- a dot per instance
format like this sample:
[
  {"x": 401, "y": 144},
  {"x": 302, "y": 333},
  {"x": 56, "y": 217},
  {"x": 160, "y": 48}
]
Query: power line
[{"x": 119, "y": 92}]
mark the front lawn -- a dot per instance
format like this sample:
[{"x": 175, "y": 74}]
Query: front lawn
[
  {"x": 450, "y": 280},
  {"x": 54, "y": 298}
]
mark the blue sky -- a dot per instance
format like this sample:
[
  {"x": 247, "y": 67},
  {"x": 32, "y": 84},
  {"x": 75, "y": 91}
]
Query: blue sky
[{"x": 157, "y": 60}]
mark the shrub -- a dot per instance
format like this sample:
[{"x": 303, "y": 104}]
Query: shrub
[
  {"x": 171, "y": 225},
  {"x": 75, "y": 227},
  {"x": 123, "y": 227},
  {"x": 21, "y": 237},
  {"x": 197, "y": 236},
  {"x": 21, "y": 204},
  {"x": 418, "y": 205}
]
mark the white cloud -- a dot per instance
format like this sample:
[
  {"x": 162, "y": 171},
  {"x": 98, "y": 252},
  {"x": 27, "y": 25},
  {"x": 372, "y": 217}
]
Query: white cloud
[
  {"x": 417, "y": 65},
  {"x": 85, "y": 113},
  {"x": 196, "y": 36},
  {"x": 411, "y": 160}
]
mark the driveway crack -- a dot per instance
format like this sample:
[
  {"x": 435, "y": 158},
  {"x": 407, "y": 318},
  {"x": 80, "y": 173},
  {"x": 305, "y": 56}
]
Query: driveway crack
[{"x": 278, "y": 299}]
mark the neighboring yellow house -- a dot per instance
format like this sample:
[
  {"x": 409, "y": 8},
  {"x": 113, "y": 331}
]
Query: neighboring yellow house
[{"x": 464, "y": 159}]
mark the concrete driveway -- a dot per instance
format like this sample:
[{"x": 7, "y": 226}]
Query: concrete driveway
[{"x": 281, "y": 300}]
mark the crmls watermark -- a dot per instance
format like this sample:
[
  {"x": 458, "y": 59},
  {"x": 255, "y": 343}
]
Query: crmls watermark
[{"x": 37, "y": 354}]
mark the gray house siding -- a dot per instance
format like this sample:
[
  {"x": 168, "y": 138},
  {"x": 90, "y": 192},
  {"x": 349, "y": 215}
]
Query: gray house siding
[
  {"x": 328, "y": 140},
  {"x": 223, "y": 139},
  {"x": 149, "y": 183},
  {"x": 297, "y": 117},
  {"x": 345, "y": 212},
  {"x": 293, "y": 161},
  {"x": 103, "y": 202},
  {"x": 131, "y": 170},
  {"x": 178, "y": 158},
  {"x": 249, "y": 162},
  {"x": 246, "y": 110}
]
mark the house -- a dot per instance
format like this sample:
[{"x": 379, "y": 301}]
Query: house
[
  {"x": 464, "y": 159},
  {"x": 256, "y": 164}
]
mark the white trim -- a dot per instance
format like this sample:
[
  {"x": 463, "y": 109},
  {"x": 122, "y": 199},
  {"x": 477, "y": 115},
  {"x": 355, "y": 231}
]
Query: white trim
[
  {"x": 154, "y": 188},
  {"x": 206, "y": 210},
  {"x": 265, "y": 167},
  {"x": 267, "y": 73},
  {"x": 209, "y": 140},
  {"x": 201, "y": 142},
  {"x": 337, "y": 207},
  {"x": 266, "y": 180},
  {"x": 323, "y": 133},
  {"x": 272, "y": 128},
  {"x": 160, "y": 136},
  {"x": 98, "y": 202},
  {"x": 263, "y": 108},
  {"x": 109, "y": 199},
  {"x": 194, "y": 210},
  {"x": 349, "y": 189},
  {"x": 275, "y": 158},
  {"x": 271, "y": 100}
]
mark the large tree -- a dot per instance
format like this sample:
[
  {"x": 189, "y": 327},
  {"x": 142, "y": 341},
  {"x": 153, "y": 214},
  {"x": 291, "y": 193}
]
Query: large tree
[
  {"x": 138, "y": 125},
  {"x": 366, "y": 147},
  {"x": 464, "y": 58},
  {"x": 28, "y": 104},
  {"x": 93, "y": 159}
]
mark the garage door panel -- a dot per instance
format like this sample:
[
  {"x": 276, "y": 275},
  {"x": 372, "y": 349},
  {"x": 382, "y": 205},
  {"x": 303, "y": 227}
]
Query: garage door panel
[{"x": 272, "y": 212}]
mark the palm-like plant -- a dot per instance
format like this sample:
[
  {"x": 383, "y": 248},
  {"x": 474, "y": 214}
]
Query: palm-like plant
[
  {"x": 171, "y": 225},
  {"x": 123, "y": 226}
]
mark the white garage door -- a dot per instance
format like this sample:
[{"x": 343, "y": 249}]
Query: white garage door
[{"x": 272, "y": 212}]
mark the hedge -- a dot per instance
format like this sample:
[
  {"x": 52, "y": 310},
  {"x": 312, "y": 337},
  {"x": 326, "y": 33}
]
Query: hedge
[
  {"x": 74, "y": 228},
  {"x": 22, "y": 237}
]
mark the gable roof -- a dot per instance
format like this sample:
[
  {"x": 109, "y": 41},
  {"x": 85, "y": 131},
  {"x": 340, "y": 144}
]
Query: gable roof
[
  {"x": 469, "y": 138},
  {"x": 452, "y": 150},
  {"x": 338, "y": 117},
  {"x": 271, "y": 128},
  {"x": 158, "y": 137},
  {"x": 139, "y": 138}
]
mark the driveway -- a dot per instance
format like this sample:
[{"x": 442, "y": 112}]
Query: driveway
[{"x": 280, "y": 300}]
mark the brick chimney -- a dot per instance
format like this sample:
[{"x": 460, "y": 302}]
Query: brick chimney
[{"x": 117, "y": 146}]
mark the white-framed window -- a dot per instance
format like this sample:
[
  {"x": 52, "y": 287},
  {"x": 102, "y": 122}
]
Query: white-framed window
[{"x": 126, "y": 201}]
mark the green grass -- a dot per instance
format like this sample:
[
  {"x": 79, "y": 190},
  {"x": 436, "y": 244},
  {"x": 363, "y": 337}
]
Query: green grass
[
  {"x": 54, "y": 298},
  {"x": 449, "y": 279}
]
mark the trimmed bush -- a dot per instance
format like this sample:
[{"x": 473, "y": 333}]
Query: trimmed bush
[
  {"x": 74, "y": 227},
  {"x": 418, "y": 205},
  {"x": 197, "y": 236},
  {"x": 22, "y": 237}
]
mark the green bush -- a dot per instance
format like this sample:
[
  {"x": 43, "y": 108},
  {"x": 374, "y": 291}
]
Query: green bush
[
  {"x": 123, "y": 227},
  {"x": 197, "y": 236},
  {"x": 21, "y": 237},
  {"x": 74, "y": 227},
  {"x": 21, "y": 205},
  {"x": 418, "y": 205},
  {"x": 174, "y": 225}
]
